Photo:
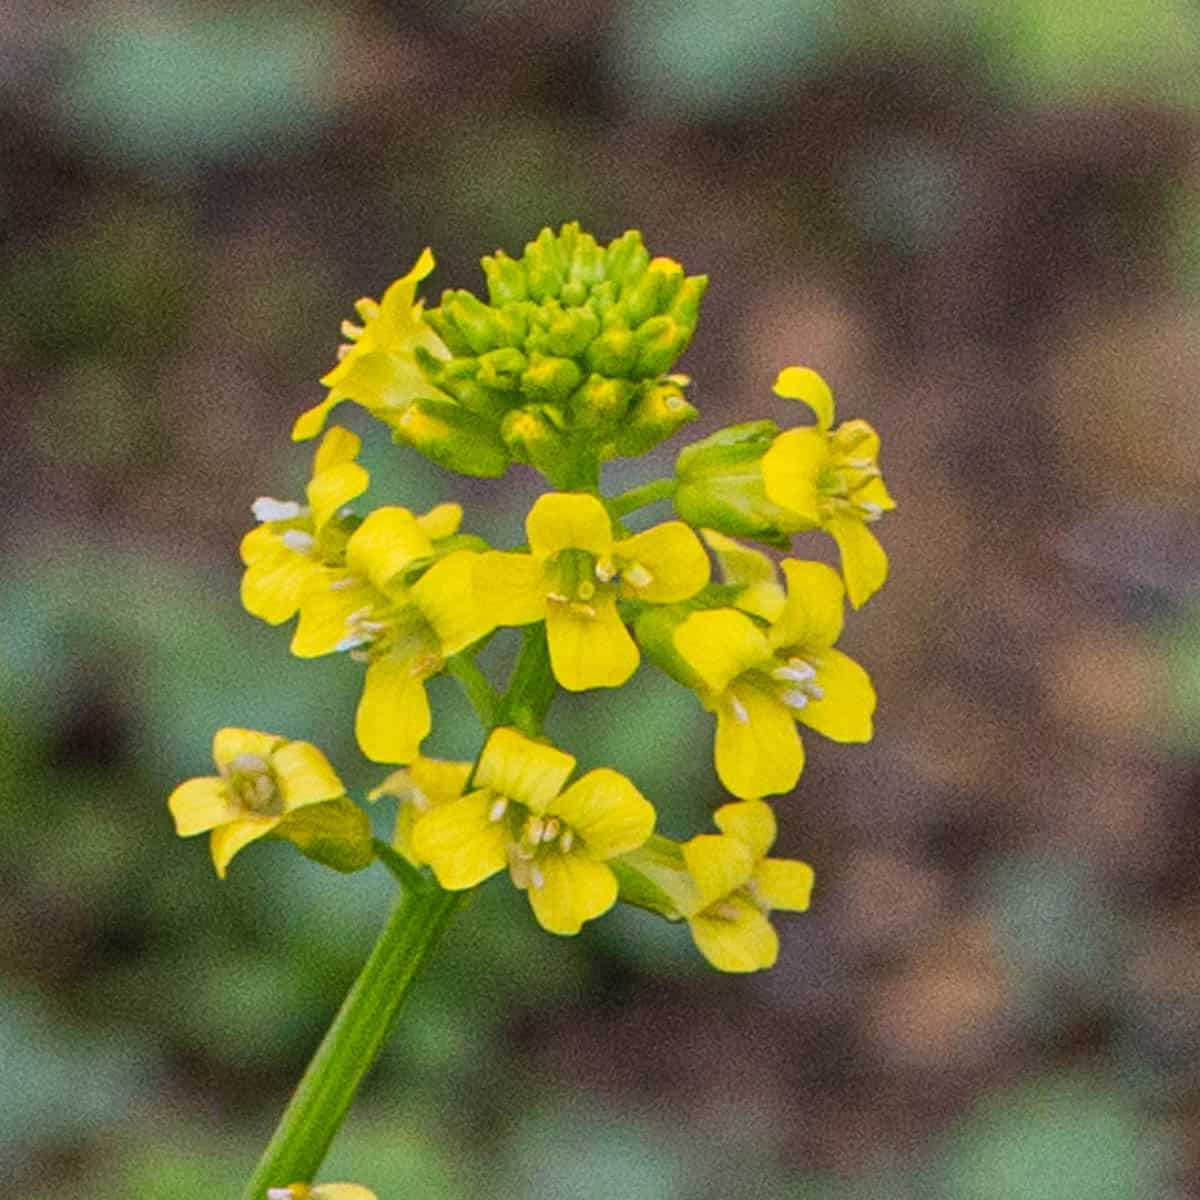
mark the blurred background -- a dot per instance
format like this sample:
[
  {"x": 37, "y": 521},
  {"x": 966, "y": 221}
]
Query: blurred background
[{"x": 981, "y": 223}]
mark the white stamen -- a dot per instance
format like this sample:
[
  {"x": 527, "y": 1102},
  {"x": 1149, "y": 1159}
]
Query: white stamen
[
  {"x": 795, "y": 698},
  {"x": 351, "y": 331},
  {"x": 797, "y": 671},
  {"x": 267, "y": 509},
  {"x": 637, "y": 576},
  {"x": 584, "y": 610},
  {"x": 296, "y": 539},
  {"x": 537, "y": 878},
  {"x": 534, "y": 829},
  {"x": 352, "y": 641},
  {"x": 816, "y": 692},
  {"x": 557, "y": 597},
  {"x": 605, "y": 570},
  {"x": 346, "y": 581},
  {"x": 870, "y": 512},
  {"x": 739, "y": 711},
  {"x": 566, "y": 840},
  {"x": 551, "y": 830},
  {"x": 498, "y": 809}
]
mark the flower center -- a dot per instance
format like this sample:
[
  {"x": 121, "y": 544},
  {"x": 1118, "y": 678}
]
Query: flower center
[
  {"x": 577, "y": 579},
  {"x": 404, "y": 632},
  {"x": 796, "y": 682},
  {"x": 253, "y": 785},
  {"x": 531, "y": 839}
]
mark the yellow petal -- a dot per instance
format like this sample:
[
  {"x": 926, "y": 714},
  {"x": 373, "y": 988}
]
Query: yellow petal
[
  {"x": 720, "y": 644},
  {"x": 846, "y": 710},
  {"x": 590, "y": 649},
  {"x": 199, "y": 805},
  {"x": 460, "y": 842},
  {"x": 263, "y": 541},
  {"x": 386, "y": 543},
  {"x": 674, "y": 558},
  {"x": 864, "y": 562},
  {"x": 511, "y": 587},
  {"x": 805, "y": 385},
  {"x": 226, "y": 840},
  {"x": 328, "y": 602},
  {"x": 341, "y": 1191},
  {"x": 305, "y": 776},
  {"x": 758, "y": 751},
  {"x": 874, "y": 491},
  {"x": 441, "y": 521},
  {"x": 784, "y": 883},
  {"x": 440, "y": 780},
  {"x": 572, "y": 889},
  {"x": 532, "y": 773},
  {"x": 752, "y": 571},
  {"x": 312, "y": 421},
  {"x": 719, "y": 865},
  {"x": 813, "y": 614},
  {"x": 393, "y": 715},
  {"x": 606, "y": 812},
  {"x": 337, "y": 446},
  {"x": 333, "y": 488},
  {"x": 231, "y": 743},
  {"x": 568, "y": 521},
  {"x": 791, "y": 469},
  {"x": 744, "y": 942},
  {"x": 273, "y": 586},
  {"x": 750, "y": 821},
  {"x": 446, "y": 596}
]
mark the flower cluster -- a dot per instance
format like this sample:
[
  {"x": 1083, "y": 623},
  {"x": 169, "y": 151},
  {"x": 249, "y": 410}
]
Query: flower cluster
[{"x": 565, "y": 365}]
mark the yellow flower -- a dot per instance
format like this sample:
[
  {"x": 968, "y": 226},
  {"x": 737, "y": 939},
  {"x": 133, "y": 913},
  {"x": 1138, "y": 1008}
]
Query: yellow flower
[
  {"x": 830, "y": 477},
  {"x": 262, "y": 777},
  {"x": 321, "y": 1191},
  {"x": 403, "y": 630},
  {"x": 555, "y": 842},
  {"x": 738, "y": 886},
  {"x": 759, "y": 683},
  {"x": 573, "y": 576},
  {"x": 377, "y": 367},
  {"x": 427, "y": 783},
  {"x": 294, "y": 543}
]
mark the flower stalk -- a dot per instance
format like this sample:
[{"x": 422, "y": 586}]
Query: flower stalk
[{"x": 353, "y": 1041}]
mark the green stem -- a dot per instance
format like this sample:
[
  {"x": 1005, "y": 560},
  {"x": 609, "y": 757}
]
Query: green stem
[
  {"x": 639, "y": 497},
  {"x": 405, "y": 874},
  {"x": 349, "y": 1048},
  {"x": 476, "y": 686},
  {"x": 532, "y": 686}
]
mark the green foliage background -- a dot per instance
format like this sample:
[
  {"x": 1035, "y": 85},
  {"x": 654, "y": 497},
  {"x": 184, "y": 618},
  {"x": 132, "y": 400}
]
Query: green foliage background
[{"x": 981, "y": 223}]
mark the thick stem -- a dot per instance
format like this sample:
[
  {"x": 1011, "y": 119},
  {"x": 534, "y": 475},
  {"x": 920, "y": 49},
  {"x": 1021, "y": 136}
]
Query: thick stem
[
  {"x": 639, "y": 497},
  {"x": 319, "y": 1103}
]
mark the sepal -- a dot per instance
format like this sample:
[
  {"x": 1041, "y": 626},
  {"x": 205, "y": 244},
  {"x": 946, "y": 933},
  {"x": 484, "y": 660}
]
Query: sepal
[{"x": 336, "y": 833}]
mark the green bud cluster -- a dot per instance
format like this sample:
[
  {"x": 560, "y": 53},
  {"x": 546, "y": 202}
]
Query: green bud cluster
[{"x": 566, "y": 364}]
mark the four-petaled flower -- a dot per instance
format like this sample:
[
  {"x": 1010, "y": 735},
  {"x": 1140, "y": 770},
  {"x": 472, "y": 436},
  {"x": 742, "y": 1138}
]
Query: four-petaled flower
[
  {"x": 760, "y": 682},
  {"x": 572, "y": 577},
  {"x": 555, "y": 842},
  {"x": 377, "y": 366},
  {"x": 738, "y": 886},
  {"x": 294, "y": 543},
  {"x": 262, "y": 777},
  {"x": 403, "y": 629},
  {"x": 830, "y": 478}
]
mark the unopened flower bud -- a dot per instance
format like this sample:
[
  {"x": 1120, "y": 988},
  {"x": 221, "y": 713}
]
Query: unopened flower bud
[
  {"x": 601, "y": 403},
  {"x": 721, "y": 484},
  {"x": 659, "y": 411},
  {"x": 505, "y": 278},
  {"x": 453, "y": 438},
  {"x": 550, "y": 380}
]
